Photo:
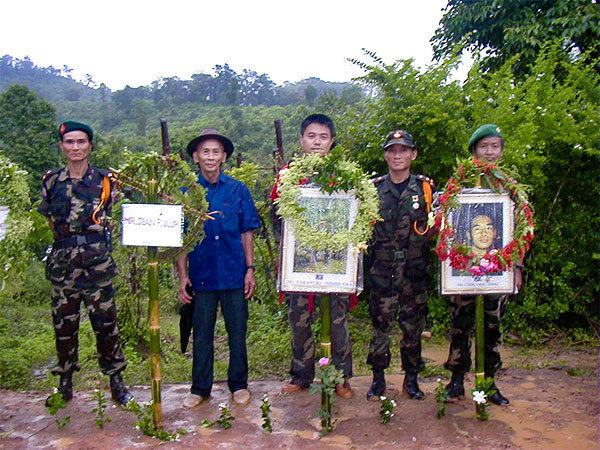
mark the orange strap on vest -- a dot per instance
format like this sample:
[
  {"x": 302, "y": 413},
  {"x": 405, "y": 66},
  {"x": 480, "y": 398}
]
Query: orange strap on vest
[
  {"x": 103, "y": 199},
  {"x": 428, "y": 195}
]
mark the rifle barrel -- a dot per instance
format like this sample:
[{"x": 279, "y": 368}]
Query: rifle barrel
[
  {"x": 279, "y": 138},
  {"x": 165, "y": 137}
]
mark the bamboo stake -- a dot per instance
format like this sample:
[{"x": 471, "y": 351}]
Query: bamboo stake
[
  {"x": 153, "y": 310},
  {"x": 479, "y": 346},
  {"x": 326, "y": 351}
]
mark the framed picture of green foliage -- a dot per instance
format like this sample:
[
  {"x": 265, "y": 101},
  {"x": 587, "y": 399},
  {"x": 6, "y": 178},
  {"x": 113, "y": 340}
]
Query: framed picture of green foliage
[
  {"x": 305, "y": 268},
  {"x": 483, "y": 225}
]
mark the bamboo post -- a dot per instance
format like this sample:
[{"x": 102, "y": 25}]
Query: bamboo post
[
  {"x": 153, "y": 311},
  {"x": 326, "y": 352},
  {"x": 479, "y": 346}
]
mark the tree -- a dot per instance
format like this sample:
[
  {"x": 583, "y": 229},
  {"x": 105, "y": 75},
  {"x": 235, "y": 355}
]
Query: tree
[
  {"x": 310, "y": 94},
  {"x": 28, "y": 132},
  {"x": 502, "y": 28},
  {"x": 550, "y": 119}
]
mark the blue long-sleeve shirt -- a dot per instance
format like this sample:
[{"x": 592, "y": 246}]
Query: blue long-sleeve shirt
[{"x": 218, "y": 261}]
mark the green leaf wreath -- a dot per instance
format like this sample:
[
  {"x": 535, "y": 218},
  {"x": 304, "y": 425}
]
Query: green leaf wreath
[
  {"x": 334, "y": 174},
  {"x": 177, "y": 184}
]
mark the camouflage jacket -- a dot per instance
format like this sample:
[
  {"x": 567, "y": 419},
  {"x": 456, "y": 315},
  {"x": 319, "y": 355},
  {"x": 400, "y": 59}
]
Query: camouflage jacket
[
  {"x": 69, "y": 203},
  {"x": 395, "y": 242}
]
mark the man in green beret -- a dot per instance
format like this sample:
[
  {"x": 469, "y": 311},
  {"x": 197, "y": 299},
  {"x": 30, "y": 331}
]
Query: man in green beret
[
  {"x": 77, "y": 201},
  {"x": 486, "y": 144}
]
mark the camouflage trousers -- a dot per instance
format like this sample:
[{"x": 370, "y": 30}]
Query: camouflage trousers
[
  {"x": 84, "y": 273},
  {"x": 397, "y": 299},
  {"x": 462, "y": 313},
  {"x": 303, "y": 343}
]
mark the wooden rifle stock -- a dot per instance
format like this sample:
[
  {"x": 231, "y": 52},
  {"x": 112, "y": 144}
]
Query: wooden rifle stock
[
  {"x": 278, "y": 152},
  {"x": 165, "y": 137}
]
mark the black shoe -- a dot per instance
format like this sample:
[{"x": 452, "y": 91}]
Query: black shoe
[
  {"x": 118, "y": 390},
  {"x": 456, "y": 388},
  {"x": 411, "y": 387},
  {"x": 498, "y": 398},
  {"x": 377, "y": 387},
  {"x": 65, "y": 388}
]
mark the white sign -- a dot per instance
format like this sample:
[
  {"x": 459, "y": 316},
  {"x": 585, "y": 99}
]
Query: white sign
[
  {"x": 3, "y": 215},
  {"x": 152, "y": 225}
]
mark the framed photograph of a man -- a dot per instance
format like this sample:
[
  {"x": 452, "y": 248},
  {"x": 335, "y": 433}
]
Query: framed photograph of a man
[
  {"x": 320, "y": 271},
  {"x": 483, "y": 222}
]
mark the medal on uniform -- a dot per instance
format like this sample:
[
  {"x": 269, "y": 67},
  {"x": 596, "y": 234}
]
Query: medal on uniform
[{"x": 415, "y": 199}]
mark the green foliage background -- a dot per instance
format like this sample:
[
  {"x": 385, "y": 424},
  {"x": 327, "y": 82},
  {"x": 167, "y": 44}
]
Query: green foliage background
[{"x": 545, "y": 101}]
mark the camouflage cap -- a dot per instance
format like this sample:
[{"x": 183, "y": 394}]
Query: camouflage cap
[
  {"x": 71, "y": 125},
  {"x": 399, "y": 137},
  {"x": 484, "y": 131}
]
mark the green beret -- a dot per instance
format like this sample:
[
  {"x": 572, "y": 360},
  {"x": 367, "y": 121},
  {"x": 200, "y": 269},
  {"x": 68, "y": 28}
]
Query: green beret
[
  {"x": 71, "y": 125},
  {"x": 484, "y": 131}
]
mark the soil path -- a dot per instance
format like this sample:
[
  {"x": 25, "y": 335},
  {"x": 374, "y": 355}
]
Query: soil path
[{"x": 553, "y": 393}]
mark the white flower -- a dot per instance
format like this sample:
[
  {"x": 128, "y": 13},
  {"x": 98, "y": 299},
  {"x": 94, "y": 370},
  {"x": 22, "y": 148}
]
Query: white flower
[
  {"x": 438, "y": 380},
  {"x": 222, "y": 405},
  {"x": 479, "y": 397},
  {"x": 382, "y": 397},
  {"x": 393, "y": 403}
]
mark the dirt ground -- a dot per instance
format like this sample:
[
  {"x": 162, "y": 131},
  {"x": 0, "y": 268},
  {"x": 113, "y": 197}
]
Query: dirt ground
[{"x": 553, "y": 394}]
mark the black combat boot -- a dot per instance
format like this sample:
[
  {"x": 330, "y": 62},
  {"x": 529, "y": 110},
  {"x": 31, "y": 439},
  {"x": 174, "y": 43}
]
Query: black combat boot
[
  {"x": 65, "y": 388},
  {"x": 498, "y": 398},
  {"x": 377, "y": 387},
  {"x": 119, "y": 391},
  {"x": 456, "y": 388},
  {"x": 411, "y": 387}
]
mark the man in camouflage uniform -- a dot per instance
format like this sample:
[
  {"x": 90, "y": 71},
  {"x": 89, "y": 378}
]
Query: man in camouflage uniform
[
  {"x": 486, "y": 144},
  {"x": 76, "y": 201},
  {"x": 316, "y": 136},
  {"x": 399, "y": 256}
]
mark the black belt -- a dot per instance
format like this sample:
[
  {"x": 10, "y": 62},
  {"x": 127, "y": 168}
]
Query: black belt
[
  {"x": 80, "y": 239},
  {"x": 391, "y": 255}
]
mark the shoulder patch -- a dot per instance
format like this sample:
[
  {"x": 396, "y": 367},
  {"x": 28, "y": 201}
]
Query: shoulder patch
[
  {"x": 377, "y": 179},
  {"x": 425, "y": 178},
  {"x": 48, "y": 173}
]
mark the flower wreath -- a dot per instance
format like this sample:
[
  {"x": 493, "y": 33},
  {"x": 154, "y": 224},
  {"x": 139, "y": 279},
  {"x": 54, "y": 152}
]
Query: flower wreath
[
  {"x": 467, "y": 173},
  {"x": 333, "y": 173}
]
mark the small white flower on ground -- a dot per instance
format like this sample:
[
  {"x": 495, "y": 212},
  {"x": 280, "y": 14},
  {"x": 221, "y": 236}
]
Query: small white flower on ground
[
  {"x": 382, "y": 397},
  {"x": 479, "y": 397},
  {"x": 438, "y": 380},
  {"x": 393, "y": 403}
]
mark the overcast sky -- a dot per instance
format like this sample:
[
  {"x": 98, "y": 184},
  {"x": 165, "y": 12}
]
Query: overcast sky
[{"x": 135, "y": 42}]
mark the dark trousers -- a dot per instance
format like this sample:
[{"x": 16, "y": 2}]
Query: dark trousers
[{"x": 235, "y": 312}]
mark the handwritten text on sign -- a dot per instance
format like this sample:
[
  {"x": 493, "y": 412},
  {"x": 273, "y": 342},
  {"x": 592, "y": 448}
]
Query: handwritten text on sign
[{"x": 152, "y": 225}]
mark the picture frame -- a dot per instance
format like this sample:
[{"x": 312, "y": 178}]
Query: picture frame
[
  {"x": 484, "y": 221},
  {"x": 4, "y": 211},
  {"x": 305, "y": 270}
]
